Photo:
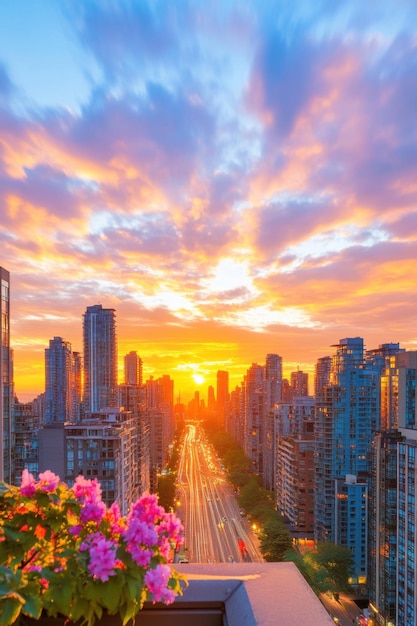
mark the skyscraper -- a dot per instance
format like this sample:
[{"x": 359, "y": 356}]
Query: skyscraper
[
  {"x": 222, "y": 395},
  {"x": 273, "y": 380},
  {"x": 100, "y": 359},
  {"x": 133, "y": 369},
  {"x": 347, "y": 416},
  {"x": 392, "y": 528},
  {"x": 6, "y": 382},
  {"x": 255, "y": 416},
  {"x": 273, "y": 394},
  {"x": 59, "y": 382}
]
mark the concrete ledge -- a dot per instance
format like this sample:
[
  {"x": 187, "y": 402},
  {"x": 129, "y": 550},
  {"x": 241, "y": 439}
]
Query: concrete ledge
[{"x": 254, "y": 594}]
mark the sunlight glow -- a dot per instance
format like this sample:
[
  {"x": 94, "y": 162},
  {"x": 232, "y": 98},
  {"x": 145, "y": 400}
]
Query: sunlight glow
[{"x": 198, "y": 379}]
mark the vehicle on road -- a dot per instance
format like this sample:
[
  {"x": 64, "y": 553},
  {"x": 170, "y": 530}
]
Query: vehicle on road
[{"x": 242, "y": 548}]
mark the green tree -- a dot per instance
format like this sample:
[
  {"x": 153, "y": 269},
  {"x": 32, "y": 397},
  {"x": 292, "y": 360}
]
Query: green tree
[
  {"x": 166, "y": 490},
  {"x": 250, "y": 494},
  {"x": 275, "y": 540},
  {"x": 336, "y": 561}
]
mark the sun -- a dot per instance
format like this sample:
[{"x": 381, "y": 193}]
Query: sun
[{"x": 198, "y": 379}]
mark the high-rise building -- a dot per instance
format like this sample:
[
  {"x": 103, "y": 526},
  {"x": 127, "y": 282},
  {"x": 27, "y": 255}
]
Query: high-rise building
[
  {"x": 392, "y": 528},
  {"x": 294, "y": 467},
  {"x": 59, "y": 382},
  {"x": 133, "y": 369},
  {"x": 398, "y": 397},
  {"x": 255, "y": 416},
  {"x": 222, "y": 395},
  {"x": 299, "y": 383},
  {"x": 211, "y": 400},
  {"x": 273, "y": 380},
  {"x": 104, "y": 446},
  {"x": 322, "y": 374},
  {"x": 347, "y": 416},
  {"x": 100, "y": 359},
  {"x": 273, "y": 394},
  {"x": 6, "y": 383}
]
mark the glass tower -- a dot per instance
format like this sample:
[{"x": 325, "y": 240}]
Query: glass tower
[
  {"x": 100, "y": 359},
  {"x": 59, "y": 386},
  {"x": 347, "y": 416}
]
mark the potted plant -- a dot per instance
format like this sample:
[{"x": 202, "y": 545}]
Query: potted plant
[{"x": 64, "y": 553}]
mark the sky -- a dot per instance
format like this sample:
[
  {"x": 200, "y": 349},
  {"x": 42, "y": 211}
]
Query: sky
[{"x": 234, "y": 178}]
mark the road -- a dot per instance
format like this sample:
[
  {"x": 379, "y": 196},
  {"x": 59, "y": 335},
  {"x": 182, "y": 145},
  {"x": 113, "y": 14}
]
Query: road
[{"x": 208, "y": 506}]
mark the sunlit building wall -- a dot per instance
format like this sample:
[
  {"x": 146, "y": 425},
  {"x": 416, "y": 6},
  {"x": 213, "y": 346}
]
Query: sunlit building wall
[
  {"x": 295, "y": 484},
  {"x": 398, "y": 402},
  {"x": 104, "y": 446},
  {"x": 100, "y": 359},
  {"x": 254, "y": 416},
  {"x": 6, "y": 384},
  {"x": 321, "y": 375},
  {"x": 132, "y": 399},
  {"x": 273, "y": 392},
  {"x": 299, "y": 383},
  {"x": 294, "y": 445},
  {"x": 59, "y": 382},
  {"x": 160, "y": 417},
  {"x": 133, "y": 369}
]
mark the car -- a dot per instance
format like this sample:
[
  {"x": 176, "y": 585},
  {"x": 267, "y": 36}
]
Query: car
[{"x": 183, "y": 561}]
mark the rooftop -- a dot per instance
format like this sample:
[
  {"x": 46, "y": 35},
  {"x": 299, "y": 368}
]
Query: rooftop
[{"x": 241, "y": 594}]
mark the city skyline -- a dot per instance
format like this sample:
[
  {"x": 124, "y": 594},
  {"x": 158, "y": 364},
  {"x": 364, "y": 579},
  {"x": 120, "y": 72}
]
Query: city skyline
[{"x": 233, "y": 181}]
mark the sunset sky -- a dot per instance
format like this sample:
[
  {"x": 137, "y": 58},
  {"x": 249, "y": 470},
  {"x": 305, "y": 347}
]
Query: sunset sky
[{"x": 233, "y": 178}]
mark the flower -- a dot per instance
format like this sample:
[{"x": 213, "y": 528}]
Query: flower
[{"x": 63, "y": 552}]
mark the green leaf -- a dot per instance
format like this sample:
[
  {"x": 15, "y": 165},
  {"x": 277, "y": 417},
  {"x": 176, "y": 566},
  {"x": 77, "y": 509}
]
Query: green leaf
[
  {"x": 9, "y": 610},
  {"x": 111, "y": 595},
  {"x": 33, "y": 606}
]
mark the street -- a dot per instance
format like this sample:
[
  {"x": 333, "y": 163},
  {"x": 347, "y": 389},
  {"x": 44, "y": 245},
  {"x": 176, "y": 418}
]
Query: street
[{"x": 208, "y": 507}]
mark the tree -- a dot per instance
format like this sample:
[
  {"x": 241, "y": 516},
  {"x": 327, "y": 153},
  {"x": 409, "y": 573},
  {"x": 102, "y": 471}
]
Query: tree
[
  {"x": 336, "y": 561},
  {"x": 275, "y": 540},
  {"x": 250, "y": 494},
  {"x": 166, "y": 490},
  {"x": 326, "y": 568}
]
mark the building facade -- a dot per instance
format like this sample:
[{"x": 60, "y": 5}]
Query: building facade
[
  {"x": 7, "y": 472},
  {"x": 347, "y": 416},
  {"x": 60, "y": 387},
  {"x": 100, "y": 359},
  {"x": 133, "y": 369}
]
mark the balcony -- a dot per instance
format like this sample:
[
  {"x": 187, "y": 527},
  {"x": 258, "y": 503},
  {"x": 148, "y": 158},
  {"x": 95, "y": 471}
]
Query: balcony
[{"x": 240, "y": 594}]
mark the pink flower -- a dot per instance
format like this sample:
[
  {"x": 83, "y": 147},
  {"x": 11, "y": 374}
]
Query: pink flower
[
  {"x": 102, "y": 559},
  {"x": 87, "y": 490},
  {"x": 28, "y": 484},
  {"x": 48, "y": 481},
  {"x": 157, "y": 582},
  {"x": 171, "y": 526},
  {"x": 147, "y": 509},
  {"x": 141, "y": 556},
  {"x": 102, "y": 554},
  {"x": 114, "y": 516},
  {"x": 139, "y": 532},
  {"x": 92, "y": 512}
]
